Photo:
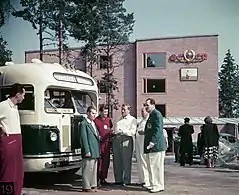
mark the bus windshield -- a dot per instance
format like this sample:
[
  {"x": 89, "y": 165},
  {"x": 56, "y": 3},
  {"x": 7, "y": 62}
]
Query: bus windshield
[
  {"x": 58, "y": 101},
  {"x": 83, "y": 100}
]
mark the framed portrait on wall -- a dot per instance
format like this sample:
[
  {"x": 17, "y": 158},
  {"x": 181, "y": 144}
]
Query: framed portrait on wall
[{"x": 189, "y": 74}]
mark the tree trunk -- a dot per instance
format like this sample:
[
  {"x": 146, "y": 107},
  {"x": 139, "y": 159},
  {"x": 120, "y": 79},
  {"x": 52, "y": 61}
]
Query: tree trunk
[
  {"x": 109, "y": 88},
  {"x": 60, "y": 36},
  {"x": 41, "y": 38}
]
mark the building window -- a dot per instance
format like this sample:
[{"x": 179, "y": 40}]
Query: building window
[
  {"x": 156, "y": 60},
  {"x": 161, "y": 108},
  {"x": 102, "y": 87},
  {"x": 105, "y": 61},
  {"x": 154, "y": 86}
]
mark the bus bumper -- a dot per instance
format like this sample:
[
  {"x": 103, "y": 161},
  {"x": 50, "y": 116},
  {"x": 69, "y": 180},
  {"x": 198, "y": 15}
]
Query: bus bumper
[{"x": 51, "y": 164}]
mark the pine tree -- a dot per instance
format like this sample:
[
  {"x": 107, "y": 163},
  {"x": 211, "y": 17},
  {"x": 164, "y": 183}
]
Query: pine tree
[
  {"x": 47, "y": 17},
  {"x": 5, "y": 10},
  {"x": 228, "y": 87},
  {"x": 5, "y": 54},
  {"x": 116, "y": 29},
  {"x": 104, "y": 26}
]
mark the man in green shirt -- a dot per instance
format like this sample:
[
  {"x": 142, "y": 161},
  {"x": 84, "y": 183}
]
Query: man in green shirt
[
  {"x": 154, "y": 147},
  {"x": 90, "y": 150}
]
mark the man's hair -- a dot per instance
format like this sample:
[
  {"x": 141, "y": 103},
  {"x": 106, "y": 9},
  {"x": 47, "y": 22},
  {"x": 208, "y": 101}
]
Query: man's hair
[
  {"x": 186, "y": 120},
  {"x": 103, "y": 107},
  {"x": 151, "y": 100},
  {"x": 126, "y": 105},
  {"x": 15, "y": 89},
  {"x": 90, "y": 108},
  {"x": 208, "y": 120}
]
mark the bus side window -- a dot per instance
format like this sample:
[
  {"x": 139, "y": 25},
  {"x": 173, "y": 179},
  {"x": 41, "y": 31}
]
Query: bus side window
[
  {"x": 28, "y": 103},
  {"x": 4, "y": 93}
]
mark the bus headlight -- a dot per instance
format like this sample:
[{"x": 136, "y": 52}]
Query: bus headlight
[{"x": 53, "y": 136}]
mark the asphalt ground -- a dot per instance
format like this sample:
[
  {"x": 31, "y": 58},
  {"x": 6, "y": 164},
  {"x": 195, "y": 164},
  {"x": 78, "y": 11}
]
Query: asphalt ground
[{"x": 195, "y": 180}]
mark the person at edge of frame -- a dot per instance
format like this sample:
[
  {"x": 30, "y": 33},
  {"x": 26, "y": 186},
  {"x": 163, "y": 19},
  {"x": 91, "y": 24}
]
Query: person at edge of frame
[{"x": 11, "y": 159}]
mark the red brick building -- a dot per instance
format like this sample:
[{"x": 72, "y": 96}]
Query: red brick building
[{"x": 180, "y": 73}]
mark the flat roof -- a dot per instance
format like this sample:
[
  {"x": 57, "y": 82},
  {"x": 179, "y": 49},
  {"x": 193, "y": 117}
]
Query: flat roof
[
  {"x": 132, "y": 42},
  {"x": 176, "y": 37}
]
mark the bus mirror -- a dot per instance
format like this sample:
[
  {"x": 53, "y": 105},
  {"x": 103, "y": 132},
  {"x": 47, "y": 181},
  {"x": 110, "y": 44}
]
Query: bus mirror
[
  {"x": 37, "y": 61},
  {"x": 9, "y": 63}
]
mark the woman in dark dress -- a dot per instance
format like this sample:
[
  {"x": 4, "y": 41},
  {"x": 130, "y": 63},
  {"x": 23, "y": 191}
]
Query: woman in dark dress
[{"x": 210, "y": 136}]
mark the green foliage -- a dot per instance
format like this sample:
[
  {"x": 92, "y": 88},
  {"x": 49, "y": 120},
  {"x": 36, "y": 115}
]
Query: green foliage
[
  {"x": 45, "y": 17},
  {"x": 5, "y": 10},
  {"x": 5, "y": 54},
  {"x": 228, "y": 87},
  {"x": 103, "y": 25},
  {"x": 93, "y": 22},
  {"x": 116, "y": 28}
]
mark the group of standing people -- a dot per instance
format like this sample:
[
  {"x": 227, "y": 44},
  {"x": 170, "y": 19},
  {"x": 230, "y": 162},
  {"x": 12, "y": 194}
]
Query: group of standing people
[
  {"x": 97, "y": 135},
  {"x": 207, "y": 143}
]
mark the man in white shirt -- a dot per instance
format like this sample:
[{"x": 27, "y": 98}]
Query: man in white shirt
[
  {"x": 124, "y": 132},
  {"x": 139, "y": 149},
  {"x": 11, "y": 161}
]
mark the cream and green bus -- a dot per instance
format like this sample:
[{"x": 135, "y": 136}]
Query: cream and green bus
[{"x": 56, "y": 100}]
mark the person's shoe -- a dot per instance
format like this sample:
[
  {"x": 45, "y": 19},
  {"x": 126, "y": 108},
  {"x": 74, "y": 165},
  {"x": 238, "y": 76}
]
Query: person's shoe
[
  {"x": 104, "y": 182},
  {"x": 148, "y": 187},
  {"x": 126, "y": 184},
  {"x": 156, "y": 190},
  {"x": 119, "y": 183},
  {"x": 140, "y": 183},
  {"x": 95, "y": 189},
  {"x": 87, "y": 190}
]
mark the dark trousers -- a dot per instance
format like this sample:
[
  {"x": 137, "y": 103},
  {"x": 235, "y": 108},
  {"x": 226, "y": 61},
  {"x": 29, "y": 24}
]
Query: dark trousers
[
  {"x": 11, "y": 161},
  {"x": 186, "y": 156},
  {"x": 176, "y": 151},
  {"x": 104, "y": 160}
]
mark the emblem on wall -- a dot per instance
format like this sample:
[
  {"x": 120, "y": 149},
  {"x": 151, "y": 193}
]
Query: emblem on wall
[{"x": 189, "y": 56}]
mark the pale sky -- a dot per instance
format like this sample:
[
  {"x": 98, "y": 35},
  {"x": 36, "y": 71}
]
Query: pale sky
[{"x": 154, "y": 18}]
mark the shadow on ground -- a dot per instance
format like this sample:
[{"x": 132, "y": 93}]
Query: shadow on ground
[{"x": 57, "y": 182}]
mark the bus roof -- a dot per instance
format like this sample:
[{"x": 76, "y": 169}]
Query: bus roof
[{"x": 39, "y": 72}]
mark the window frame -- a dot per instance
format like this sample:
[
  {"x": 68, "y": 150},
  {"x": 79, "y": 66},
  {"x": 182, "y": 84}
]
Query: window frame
[
  {"x": 99, "y": 63},
  {"x": 99, "y": 83},
  {"x": 165, "y": 108},
  {"x": 145, "y": 64},
  {"x": 145, "y": 88}
]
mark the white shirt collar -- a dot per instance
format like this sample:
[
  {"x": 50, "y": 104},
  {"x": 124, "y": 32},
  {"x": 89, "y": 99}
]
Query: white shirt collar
[{"x": 11, "y": 103}]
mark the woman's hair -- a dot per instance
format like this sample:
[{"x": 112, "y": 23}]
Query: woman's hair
[{"x": 208, "y": 120}]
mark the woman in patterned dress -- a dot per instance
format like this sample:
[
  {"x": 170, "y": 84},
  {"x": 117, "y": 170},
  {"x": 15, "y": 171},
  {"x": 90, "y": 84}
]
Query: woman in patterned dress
[{"x": 210, "y": 135}]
